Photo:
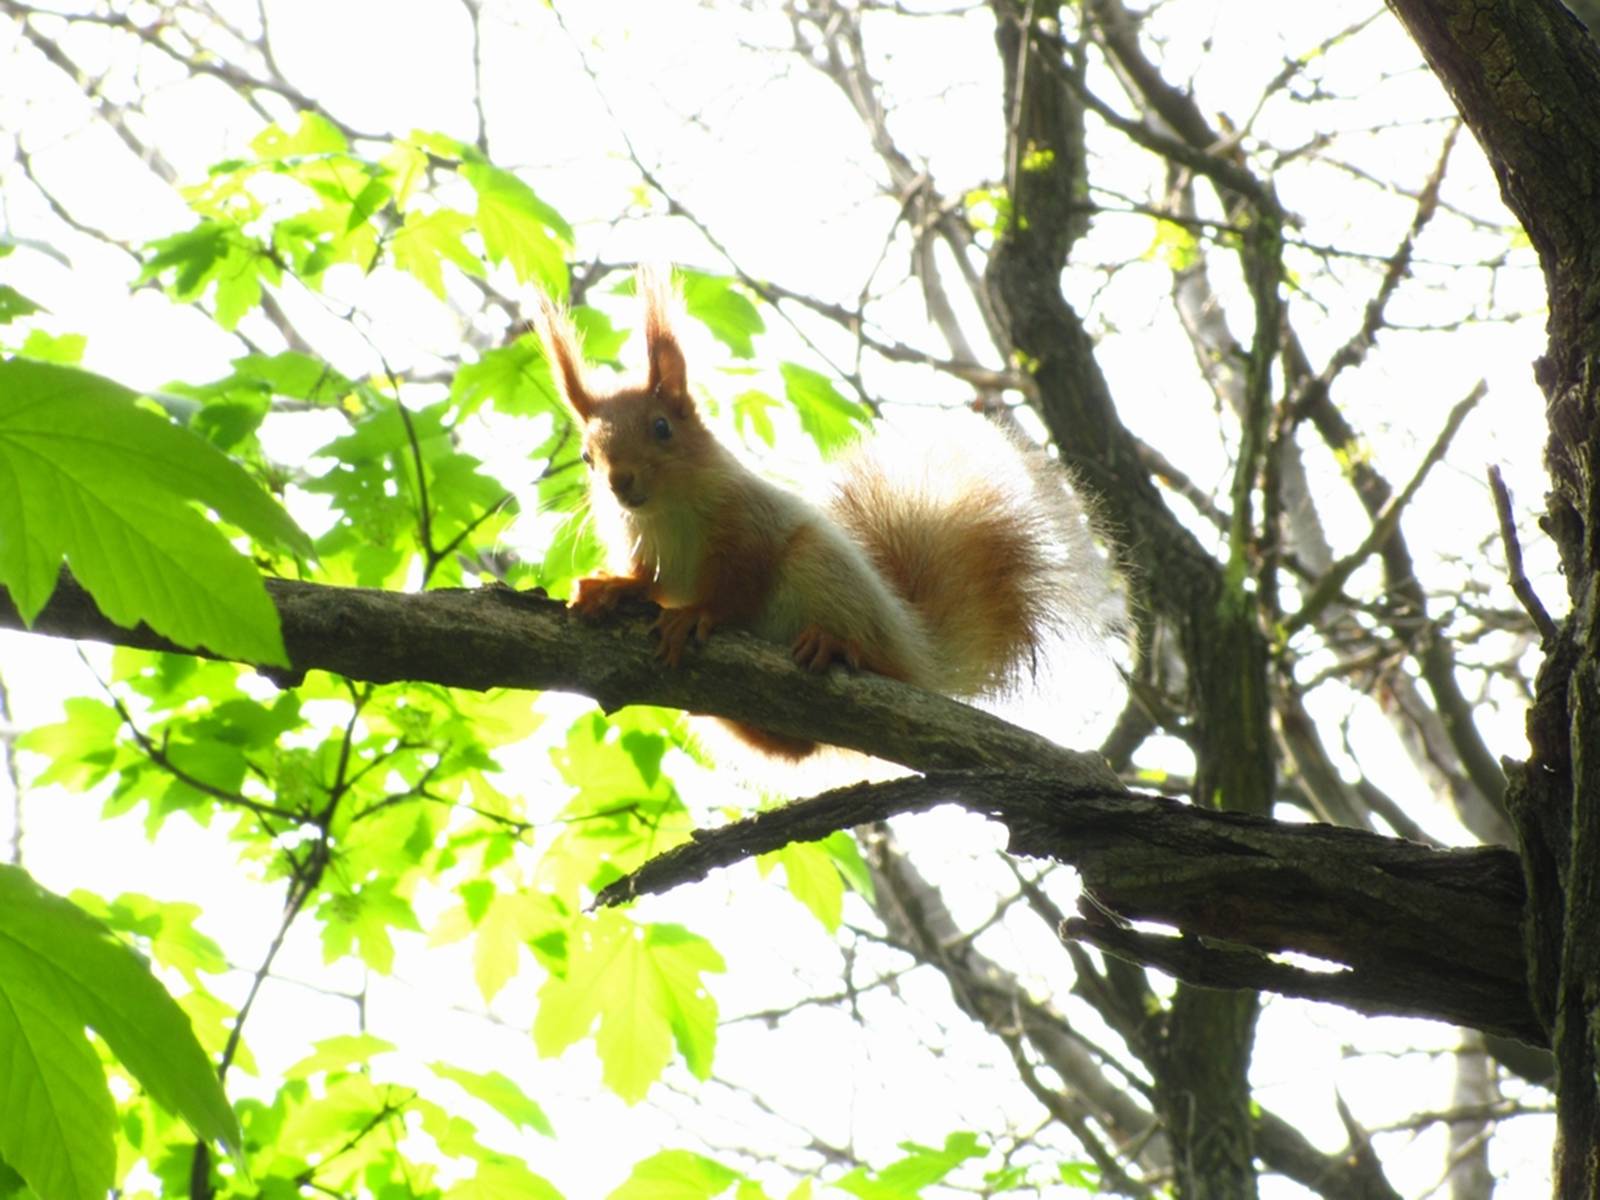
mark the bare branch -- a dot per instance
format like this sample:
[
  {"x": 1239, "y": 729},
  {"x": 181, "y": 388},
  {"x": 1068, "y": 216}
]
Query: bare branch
[
  {"x": 1387, "y": 520},
  {"x": 1405, "y": 928},
  {"x": 1519, "y": 580},
  {"x": 494, "y": 637}
]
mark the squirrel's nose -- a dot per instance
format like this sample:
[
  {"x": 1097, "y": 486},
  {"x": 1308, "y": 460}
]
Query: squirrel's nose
[{"x": 622, "y": 482}]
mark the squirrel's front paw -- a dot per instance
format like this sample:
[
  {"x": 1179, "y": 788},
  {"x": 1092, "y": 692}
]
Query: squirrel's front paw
[
  {"x": 816, "y": 649},
  {"x": 596, "y": 595},
  {"x": 674, "y": 627}
]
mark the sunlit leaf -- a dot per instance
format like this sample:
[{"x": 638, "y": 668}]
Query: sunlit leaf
[
  {"x": 813, "y": 880},
  {"x": 751, "y": 414},
  {"x": 846, "y": 855},
  {"x": 292, "y": 374},
  {"x": 79, "y": 749},
  {"x": 213, "y": 253},
  {"x": 825, "y": 414},
  {"x": 65, "y": 349},
  {"x": 626, "y": 809},
  {"x": 513, "y": 379},
  {"x": 427, "y": 241},
  {"x": 519, "y": 228},
  {"x": 500, "y": 1093},
  {"x": 61, "y": 971},
  {"x": 676, "y": 1175},
  {"x": 165, "y": 928},
  {"x": 642, "y": 985},
  {"x": 504, "y": 1179},
  {"x": 407, "y": 164},
  {"x": 602, "y": 341},
  {"x": 14, "y": 304},
  {"x": 501, "y": 925},
  {"x": 87, "y": 475},
  {"x": 726, "y": 311},
  {"x": 314, "y": 134},
  {"x": 921, "y": 1167},
  {"x": 339, "y": 1053},
  {"x": 361, "y": 920},
  {"x": 1084, "y": 1176}
]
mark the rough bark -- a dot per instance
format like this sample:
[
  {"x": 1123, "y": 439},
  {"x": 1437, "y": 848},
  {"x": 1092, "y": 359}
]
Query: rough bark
[
  {"x": 1423, "y": 931},
  {"x": 1526, "y": 78},
  {"x": 494, "y": 637},
  {"x": 1201, "y": 1074},
  {"x": 1402, "y": 928}
]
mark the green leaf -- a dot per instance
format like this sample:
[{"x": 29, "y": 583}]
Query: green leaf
[
  {"x": 64, "y": 348},
  {"x": 519, "y": 228},
  {"x": 213, "y": 252},
  {"x": 374, "y": 484},
  {"x": 751, "y": 415},
  {"x": 1173, "y": 245},
  {"x": 574, "y": 550},
  {"x": 514, "y": 379},
  {"x": 351, "y": 1112},
  {"x": 314, "y": 135},
  {"x": 1085, "y": 1176},
  {"x": 813, "y": 880},
  {"x": 504, "y": 1179},
  {"x": 55, "y": 1114},
  {"x": 601, "y": 340},
  {"x": 339, "y": 1053},
  {"x": 676, "y": 1175},
  {"x": 626, "y": 809},
  {"x": 441, "y": 145},
  {"x": 427, "y": 240},
  {"x": 362, "y": 918},
  {"x": 825, "y": 414},
  {"x": 509, "y": 921},
  {"x": 846, "y": 854},
  {"x": 988, "y": 209},
  {"x": 724, "y": 308},
  {"x": 86, "y": 474},
  {"x": 11, "y": 1184},
  {"x": 642, "y": 984},
  {"x": 922, "y": 1167},
  {"x": 407, "y": 164},
  {"x": 59, "y": 971},
  {"x": 14, "y": 304},
  {"x": 292, "y": 374},
  {"x": 500, "y": 1093},
  {"x": 166, "y": 930},
  {"x": 80, "y": 749}
]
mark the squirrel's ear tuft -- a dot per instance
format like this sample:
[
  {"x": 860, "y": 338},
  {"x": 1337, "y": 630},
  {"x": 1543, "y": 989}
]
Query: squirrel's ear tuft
[
  {"x": 669, "y": 377},
  {"x": 565, "y": 356}
]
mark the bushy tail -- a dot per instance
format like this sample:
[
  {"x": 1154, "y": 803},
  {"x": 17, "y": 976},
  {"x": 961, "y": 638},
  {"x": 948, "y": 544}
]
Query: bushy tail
[{"x": 985, "y": 540}]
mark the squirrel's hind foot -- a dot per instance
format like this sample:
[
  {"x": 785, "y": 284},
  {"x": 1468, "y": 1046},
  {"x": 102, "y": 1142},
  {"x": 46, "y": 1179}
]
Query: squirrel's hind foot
[{"x": 816, "y": 649}]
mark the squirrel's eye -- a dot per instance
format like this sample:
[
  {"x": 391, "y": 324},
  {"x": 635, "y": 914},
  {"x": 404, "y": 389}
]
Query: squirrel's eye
[
  {"x": 588, "y": 459},
  {"x": 662, "y": 429}
]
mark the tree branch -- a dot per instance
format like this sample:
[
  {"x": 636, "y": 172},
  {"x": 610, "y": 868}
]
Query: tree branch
[
  {"x": 1406, "y": 928},
  {"x": 495, "y": 637},
  {"x": 1418, "y": 930}
]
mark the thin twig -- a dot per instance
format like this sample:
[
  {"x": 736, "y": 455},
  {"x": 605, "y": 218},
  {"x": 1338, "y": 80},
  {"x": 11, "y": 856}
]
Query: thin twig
[
  {"x": 1387, "y": 521},
  {"x": 1518, "y": 579}
]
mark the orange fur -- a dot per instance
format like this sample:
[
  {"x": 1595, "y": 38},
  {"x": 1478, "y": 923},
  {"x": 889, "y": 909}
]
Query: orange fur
[
  {"x": 941, "y": 572},
  {"x": 775, "y": 745}
]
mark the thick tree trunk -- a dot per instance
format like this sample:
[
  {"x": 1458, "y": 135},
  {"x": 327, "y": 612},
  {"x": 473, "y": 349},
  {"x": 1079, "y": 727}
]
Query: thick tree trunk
[
  {"x": 1527, "y": 79},
  {"x": 1201, "y": 1071}
]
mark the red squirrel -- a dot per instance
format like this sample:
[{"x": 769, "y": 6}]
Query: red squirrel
[{"x": 947, "y": 572}]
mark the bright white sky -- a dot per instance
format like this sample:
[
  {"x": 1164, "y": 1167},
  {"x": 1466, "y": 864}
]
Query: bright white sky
[{"x": 768, "y": 155}]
